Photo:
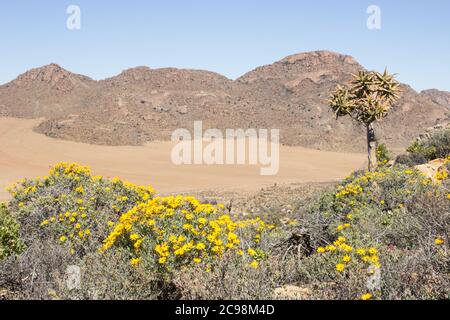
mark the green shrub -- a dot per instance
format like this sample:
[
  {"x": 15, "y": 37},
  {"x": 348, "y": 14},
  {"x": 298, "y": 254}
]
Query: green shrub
[
  {"x": 434, "y": 147},
  {"x": 117, "y": 233},
  {"x": 394, "y": 221},
  {"x": 383, "y": 154},
  {"x": 72, "y": 207},
  {"x": 379, "y": 221},
  {"x": 10, "y": 242},
  {"x": 410, "y": 159}
]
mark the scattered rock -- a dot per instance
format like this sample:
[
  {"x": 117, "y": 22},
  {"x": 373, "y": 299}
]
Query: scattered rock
[{"x": 431, "y": 168}]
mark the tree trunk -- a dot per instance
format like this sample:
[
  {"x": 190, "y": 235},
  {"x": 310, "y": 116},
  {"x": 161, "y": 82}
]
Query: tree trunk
[{"x": 371, "y": 147}]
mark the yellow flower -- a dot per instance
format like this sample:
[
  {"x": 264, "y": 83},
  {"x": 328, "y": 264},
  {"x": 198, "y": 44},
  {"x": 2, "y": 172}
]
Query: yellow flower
[
  {"x": 373, "y": 251},
  {"x": 77, "y": 226},
  {"x": 189, "y": 216},
  {"x": 62, "y": 238},
  {"x": 366, "y": 296},
  {"x": 135, "y": 261},
  {"x": 87, "y": 232},
  {"x": 137, "y": 244},
  {"x": 134, "y": 237},
  {"x": 340, "y": 267},
  {"x": 438, "y": 241},
  {"x": 180, "y": 252},
  {"x": 360, "y": 251},
  {"x": 251, "y": 252},
  {"x": 200, "y": 246},
  {"x": 320, "y": 250},
  {"x": 202, "y": 220},
  {"x": 162, "y": 260},
  {"x": 254, "y": 264},
  {"x": 346, "y": 259},
  {"x": 187, "y": 226},
  {"x": 197, "y": 260},
  {"x": 44, "y": 223}
]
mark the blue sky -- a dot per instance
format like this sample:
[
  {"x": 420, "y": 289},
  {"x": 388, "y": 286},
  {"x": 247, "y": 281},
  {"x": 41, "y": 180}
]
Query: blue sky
[{"x": 227, "y": 36}]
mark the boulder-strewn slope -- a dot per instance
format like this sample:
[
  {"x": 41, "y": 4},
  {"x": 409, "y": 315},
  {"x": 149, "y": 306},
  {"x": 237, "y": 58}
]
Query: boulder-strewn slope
[{"x": 143, "y": 104}]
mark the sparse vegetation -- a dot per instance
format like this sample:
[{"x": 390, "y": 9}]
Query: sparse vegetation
[
  {"x": 389, "y": 228},
  {"x": 437, "y": 145},
  {"x": 10, "y": 242},
  {"x": 383, "y": 154}
]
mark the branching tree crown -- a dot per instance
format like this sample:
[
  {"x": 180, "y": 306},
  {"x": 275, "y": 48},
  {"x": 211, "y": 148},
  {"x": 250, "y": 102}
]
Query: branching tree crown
[{"x": 368, "y": 98}]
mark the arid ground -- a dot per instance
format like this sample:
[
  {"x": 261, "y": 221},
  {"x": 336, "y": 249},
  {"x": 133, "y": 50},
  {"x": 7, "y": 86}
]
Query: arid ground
[{"x": 24, "y": 153}]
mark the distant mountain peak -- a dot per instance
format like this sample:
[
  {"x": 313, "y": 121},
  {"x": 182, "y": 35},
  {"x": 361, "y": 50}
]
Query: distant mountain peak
[
  {"x": 51, "y": 75},
  {"x": 134, "y": 74},
  {"x": 322, "y": 55},
  {"x": 438, "y": 96}
]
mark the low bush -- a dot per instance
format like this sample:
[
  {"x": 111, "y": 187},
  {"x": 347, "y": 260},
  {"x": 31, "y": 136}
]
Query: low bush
[
  {"x": 368, "y": 230},
  {"x": 434, "y": 147},
  {"x": 72, "y": 207},
  {"x": 377, "y": 235},
  {"x": 410, "y": 159},
  {"x": 73, "y": 218},
  {"x": 168, "y": 233}
]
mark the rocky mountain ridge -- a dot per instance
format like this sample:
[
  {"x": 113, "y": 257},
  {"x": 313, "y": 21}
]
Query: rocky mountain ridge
[{"x": 143, "y": 104}]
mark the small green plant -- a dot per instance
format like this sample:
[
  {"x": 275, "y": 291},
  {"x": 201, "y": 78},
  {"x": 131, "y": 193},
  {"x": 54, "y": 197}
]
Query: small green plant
[
  {"x": 10, "y": 242},
  {"x": 383, "y": 154}
]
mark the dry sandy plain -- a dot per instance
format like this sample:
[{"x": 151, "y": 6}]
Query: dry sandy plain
[{"x": 26, "y": 154}]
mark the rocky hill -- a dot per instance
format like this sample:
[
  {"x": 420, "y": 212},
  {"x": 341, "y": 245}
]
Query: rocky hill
[
  {"x": 143, "y": 104},
  {"x": 439, "y": 97}
]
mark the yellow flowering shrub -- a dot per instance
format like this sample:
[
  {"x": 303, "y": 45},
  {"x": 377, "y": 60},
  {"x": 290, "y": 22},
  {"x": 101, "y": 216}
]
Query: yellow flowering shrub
[
  {"x": 371, "y": 218},
  {"x": 87, "y": 213},
  {"x": 168, "y": 233},
  {"x": 73, "y": 206}
]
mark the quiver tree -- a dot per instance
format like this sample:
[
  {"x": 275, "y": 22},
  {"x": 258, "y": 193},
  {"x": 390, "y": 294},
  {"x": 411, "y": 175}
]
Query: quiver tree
[{"x": 368, "y": 98}]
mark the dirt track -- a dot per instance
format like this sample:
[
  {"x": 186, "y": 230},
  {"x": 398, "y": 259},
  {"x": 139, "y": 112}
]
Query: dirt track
[{"x": 24, "y": 153}]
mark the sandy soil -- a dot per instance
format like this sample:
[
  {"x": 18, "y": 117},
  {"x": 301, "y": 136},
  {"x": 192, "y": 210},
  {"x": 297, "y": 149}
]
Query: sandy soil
[{"x": 24, "y": 153}]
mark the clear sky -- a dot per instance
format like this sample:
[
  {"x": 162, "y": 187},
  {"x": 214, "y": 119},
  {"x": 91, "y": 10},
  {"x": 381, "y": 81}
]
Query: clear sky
[{"x": 227, "y": 36}]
